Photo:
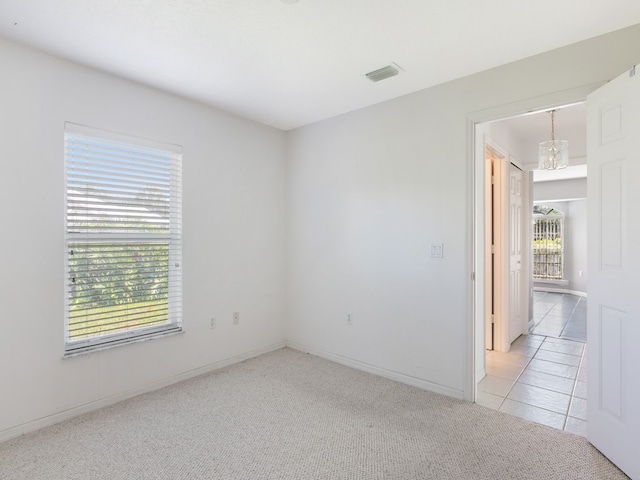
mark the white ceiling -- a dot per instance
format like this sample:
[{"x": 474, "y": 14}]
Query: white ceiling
[
  {"x": 288, "y": 65},
  {"x": 536, "y": 127}
]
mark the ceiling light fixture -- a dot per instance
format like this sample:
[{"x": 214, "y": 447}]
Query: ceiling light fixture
[{"x": 553, "y": 154}]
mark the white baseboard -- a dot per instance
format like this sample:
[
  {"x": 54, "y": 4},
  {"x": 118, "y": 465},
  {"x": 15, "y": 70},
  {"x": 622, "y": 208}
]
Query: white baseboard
[
  {"x": 383, "y": 372},
  {"x": 559, "y": 290},
  {"x": 55, "y": 418},
  {"x": 542, "y": 283}
]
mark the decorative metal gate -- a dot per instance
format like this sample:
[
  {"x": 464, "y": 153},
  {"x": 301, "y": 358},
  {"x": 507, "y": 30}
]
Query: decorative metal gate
[{"x": 548, "y": 226}]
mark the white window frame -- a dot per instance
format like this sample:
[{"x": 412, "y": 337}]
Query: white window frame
[
  {"x": 545, "y": 232},
  {"x": 136, "y": 226}
]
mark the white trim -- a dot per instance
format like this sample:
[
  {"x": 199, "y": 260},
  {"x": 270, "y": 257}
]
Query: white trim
[
  {"x": 88, "y": 131},
  {"x": 153, "y": 335},
  {"x": 560, "y": 290},
  {"x": 475, "y": 265},
  {"x": 543, "y": 282},
  {"x": 541, "y": 103},
  {"x": 481, "y": 373},
  {"x": 555, "y": 200},
  {"x": 382, "y": 372},
  {"x": 50, "y": 420}
]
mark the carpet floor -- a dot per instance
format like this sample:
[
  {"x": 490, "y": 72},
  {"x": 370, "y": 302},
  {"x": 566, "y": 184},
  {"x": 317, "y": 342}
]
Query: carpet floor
[{"x": 288, "y": 415}]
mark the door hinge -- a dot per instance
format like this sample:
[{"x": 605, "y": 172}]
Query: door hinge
[
  {"x": 493, "y": 319},
  {"x": 493, "y": 249},
  {"x": 493, "y": 180},
  {"x": 632, "y": 72},
  {"x": 473, "y": 276}
]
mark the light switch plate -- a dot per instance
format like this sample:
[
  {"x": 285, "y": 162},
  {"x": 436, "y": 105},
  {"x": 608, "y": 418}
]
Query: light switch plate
[{"x": 437, "y": 250}]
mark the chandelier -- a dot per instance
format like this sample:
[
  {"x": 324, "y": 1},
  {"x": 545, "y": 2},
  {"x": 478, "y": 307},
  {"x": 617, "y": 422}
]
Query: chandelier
[{"x": 553, "y": 154}]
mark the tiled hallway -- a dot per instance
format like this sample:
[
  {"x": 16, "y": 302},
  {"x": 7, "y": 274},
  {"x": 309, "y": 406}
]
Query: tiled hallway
[
  {"x": 543, "y": 377},
  {"x": 560, "y": 315}
]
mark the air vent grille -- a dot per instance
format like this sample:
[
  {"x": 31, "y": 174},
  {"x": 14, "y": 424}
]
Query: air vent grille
[{"x": 383, "y": 73}]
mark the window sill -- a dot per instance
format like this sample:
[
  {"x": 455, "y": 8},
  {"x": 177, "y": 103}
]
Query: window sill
[
  {"x": 107, "y": 346},
  {"x": 551, "y": 282}
]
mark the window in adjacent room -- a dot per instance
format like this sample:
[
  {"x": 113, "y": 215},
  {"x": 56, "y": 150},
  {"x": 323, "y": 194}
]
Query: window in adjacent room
[
  {"x": 123, "y": 239},
  {"x": 548, "y": 226}
]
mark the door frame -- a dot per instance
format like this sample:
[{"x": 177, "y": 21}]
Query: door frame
[
  {"x": 497, "y": 274},
  {"x": 476, "y": 175},
  {"x": 498, "y": 164}
]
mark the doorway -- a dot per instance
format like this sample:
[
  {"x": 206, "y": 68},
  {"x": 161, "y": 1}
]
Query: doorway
[
  {"x": 506, "y": 246},
  {"x": 614, "y": 225},
  {"x": 540, "y": 375}
]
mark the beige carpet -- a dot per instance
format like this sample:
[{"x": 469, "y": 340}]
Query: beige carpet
[{"x": 287, "y": 415}]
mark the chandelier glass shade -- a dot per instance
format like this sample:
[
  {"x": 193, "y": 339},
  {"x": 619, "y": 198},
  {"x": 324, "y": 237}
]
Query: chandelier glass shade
[{"x": 553, "y": 154}]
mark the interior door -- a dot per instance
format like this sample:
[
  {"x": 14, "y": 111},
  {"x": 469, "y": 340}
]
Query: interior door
[
  {"x": 613, "y": 237},
  {"x": 515, "y": 252}
]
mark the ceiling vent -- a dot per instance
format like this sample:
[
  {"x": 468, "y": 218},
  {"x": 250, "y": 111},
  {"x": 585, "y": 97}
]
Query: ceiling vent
[{"x": 390, "y": 70}]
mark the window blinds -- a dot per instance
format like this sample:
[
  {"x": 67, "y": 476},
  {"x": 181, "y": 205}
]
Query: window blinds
[{"x": 123, "y": 238}]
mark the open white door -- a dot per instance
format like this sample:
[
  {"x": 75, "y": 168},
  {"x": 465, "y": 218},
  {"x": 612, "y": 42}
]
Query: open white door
[
  {"x": 613, "y": 347},
  {"x": 515, "y": 253}
]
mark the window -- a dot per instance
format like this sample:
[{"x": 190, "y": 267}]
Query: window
[
  {"x": 123, "y": 239},
  {"x": 548, "y": 226}
]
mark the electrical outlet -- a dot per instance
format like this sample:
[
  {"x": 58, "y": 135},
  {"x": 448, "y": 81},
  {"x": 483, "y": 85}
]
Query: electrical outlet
[
  {"x": 236, "y": 318},
  {"x": 349, "y": 319},
  {"x": 212, "y": 322}
]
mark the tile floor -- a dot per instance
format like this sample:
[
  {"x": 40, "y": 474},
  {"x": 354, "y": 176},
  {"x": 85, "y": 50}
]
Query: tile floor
[
  {"x": 543, "y": 377},
  {"x": 560, "y": 315}
]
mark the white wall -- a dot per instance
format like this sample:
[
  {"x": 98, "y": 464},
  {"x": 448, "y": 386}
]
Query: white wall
[
  {"x": 502, "y": 137},
  {"x": 578, "y": 245},
  {"x": 233, "y": 238},
  {"x": 369, "y": 191},
  {"x": 560, "y": 190}
]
